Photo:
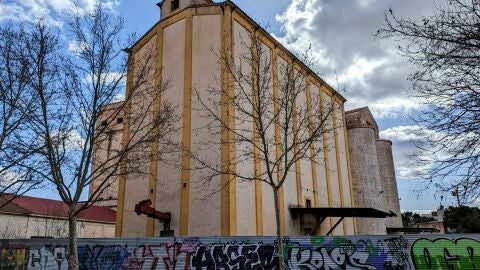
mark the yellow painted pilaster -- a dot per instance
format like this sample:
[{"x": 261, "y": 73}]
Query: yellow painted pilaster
[
  {"x": 125, "y": 138},
  {"x": 298, "y": 176},
  {"x": 152, "y": 182},
  {"x": 325, "y": 155},
  {"x": 187, "y": 128},
  {"x": 257, "y": 166},
  {"x": 281, "y": 203},
  {"x": 347, "y": 152},
  {"x": 337, "y": 155},
  {"x": 312, "y": 148},
  {"x": 228, "y": 193},
  {"x": 233, "y": 147}
]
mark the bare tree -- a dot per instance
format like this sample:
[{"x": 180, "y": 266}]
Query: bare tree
[
  {"x": 17, "y": 145},
  {"x": 445, "y": 50},
  {"x": 265, "y": 117},
  {"x": 72, "y": 90}
]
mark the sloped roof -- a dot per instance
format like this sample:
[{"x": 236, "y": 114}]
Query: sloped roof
[
  {"x": 11, "y": 207},
  {"x": 47, "y": 207}
]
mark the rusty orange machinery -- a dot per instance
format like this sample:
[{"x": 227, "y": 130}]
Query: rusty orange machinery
[{"x": 144, "y": 207}]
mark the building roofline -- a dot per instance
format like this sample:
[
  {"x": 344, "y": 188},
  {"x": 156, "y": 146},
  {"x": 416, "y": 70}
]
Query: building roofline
[
  {"x": 24, "y": 202},
  {"x": 384, "y": 140},
  {"x": 33, "y": 215},
  {"x": 257, "y": 26},
  {"x": 358, "y": 109},
  {"x": 277, "y": 43}
]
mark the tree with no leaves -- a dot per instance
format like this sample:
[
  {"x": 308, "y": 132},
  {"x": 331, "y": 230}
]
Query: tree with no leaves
[
  {"x": 265, "y": 118},
  {"x": 71, "y": 92},
  {"x": 445, "y": 50},
  {"x": 17, "y": 145}
]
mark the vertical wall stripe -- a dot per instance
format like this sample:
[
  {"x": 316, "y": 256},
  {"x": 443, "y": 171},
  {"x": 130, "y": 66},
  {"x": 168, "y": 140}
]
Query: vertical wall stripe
[
  {"x": 257, "y": 165},
  {"x": 152, "y": 183},
  {"x": 258, "y": 202},
  {"x": 312, "y": 147},
  {"x": 187, "y": 127},
  {"x": 258, "y": 191},
  {"x": 298, "y": 176},
  {"x": 233, "y": 148},
  {"x": 227, "y": 193},
  {"x": 326, "y": 149},
  {"x": 347, "y": 152},
  {"x": 281, "y": 203},
  {"x": 337, "y": 155},
  {"x": 125, "y": 138}
]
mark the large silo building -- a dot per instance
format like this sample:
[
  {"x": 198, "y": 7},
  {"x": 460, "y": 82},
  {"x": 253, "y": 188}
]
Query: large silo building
[
  {"x": 373, "y": 173},
  {"x": 345, "y": 176}
]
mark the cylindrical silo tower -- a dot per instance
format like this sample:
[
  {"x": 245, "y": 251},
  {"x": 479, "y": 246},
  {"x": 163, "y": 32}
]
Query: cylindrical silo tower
[
  {"x": 389, "y": 182},
  {"x": 362, "y": 132}
]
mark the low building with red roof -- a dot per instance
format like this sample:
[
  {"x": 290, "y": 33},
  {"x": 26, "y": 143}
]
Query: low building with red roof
[{"x": 31, "y": 217}]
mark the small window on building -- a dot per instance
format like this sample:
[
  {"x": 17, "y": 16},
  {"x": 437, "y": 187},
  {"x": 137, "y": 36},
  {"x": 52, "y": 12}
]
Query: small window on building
[
  {"x": 120, "y": 120},
  {"x": 175, "y": 4},
  {"x": 104, "y": 122},
  {"x": 308, "y": 203}
]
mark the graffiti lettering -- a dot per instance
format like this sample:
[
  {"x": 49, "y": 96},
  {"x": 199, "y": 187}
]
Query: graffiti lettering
[
  {"x": 229, "y": 253},
  {"x": 446, "y": 254},
  {"x": 47, "y": 257},
  {"x": 235, "y": 256},
  {"x": 102, "y": 257},
  {"x": 10, "y": 258},
  {"x": 342, "y": 257}
]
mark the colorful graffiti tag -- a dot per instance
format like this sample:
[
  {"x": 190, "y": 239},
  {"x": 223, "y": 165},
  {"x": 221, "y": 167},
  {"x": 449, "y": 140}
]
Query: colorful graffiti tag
[
  {"x": 229, "y": 253},
  {"x": 442, "y": 253}
]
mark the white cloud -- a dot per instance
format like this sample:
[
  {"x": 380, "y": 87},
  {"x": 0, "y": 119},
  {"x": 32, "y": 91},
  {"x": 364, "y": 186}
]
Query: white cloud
[
  {"x": 297, "y": 21},
  {"x": 119, "y": 97},
  {"x": 340, "y": 34},
  {"x": 7, "y": 179},
  {"x": 359, "y": 68},
  {"x": 404, "y": 140},
  {"x": 54, "y": 11},
  {"x": 76, "y": 47},
  {"x": 413, "y": 133},
  {"x": 366, "y": 3},
  {"x": 388, "y": 107},
  {"x": 71, "y": 140},
  {"x": 109, "y": 78}
]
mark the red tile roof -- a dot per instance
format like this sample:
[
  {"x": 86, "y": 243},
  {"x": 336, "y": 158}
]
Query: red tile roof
[{"x": 47, "y": 207}]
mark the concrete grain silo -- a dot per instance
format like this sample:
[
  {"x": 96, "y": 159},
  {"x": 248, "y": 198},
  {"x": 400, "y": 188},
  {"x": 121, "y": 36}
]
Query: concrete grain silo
[
  {"x": 362, "y": 133},
  {"x": 389, "y": 182}
]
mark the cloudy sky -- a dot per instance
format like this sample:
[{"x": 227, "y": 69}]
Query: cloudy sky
[{"x": 341, "y": 33}]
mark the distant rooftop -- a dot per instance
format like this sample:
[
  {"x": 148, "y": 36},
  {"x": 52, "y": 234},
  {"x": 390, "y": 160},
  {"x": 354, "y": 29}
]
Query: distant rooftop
[{"x": 26, "y": 205}]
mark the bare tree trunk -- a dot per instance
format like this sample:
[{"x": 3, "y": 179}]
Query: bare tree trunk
[
  {"x": 279, "y": 233},
  {"x": 72, "y": 235}
]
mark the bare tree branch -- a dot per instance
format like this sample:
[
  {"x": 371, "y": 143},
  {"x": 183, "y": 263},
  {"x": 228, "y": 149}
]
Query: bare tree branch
[
  {"x": 270, "y": 121},
  {"x": 445, "y": 50}
]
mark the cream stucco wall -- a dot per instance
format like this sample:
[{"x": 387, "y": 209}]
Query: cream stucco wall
[
  {"x": 245, "y": 192},
  {"x": 13, "y": 226},
  {"x": 109, "y": 141},
  {"x": 184, "y": 193},
  {"x": 343, "y": 166},
  {"x": 168, "y": 178},
  {"x": 204, "y": 215},
  {"x": 136, "y": 183},
  {"x": 322, "y": 188}
]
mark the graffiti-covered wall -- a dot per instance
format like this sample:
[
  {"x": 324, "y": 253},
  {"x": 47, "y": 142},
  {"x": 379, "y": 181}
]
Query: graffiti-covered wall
[{"x": 316, "y": 252}]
